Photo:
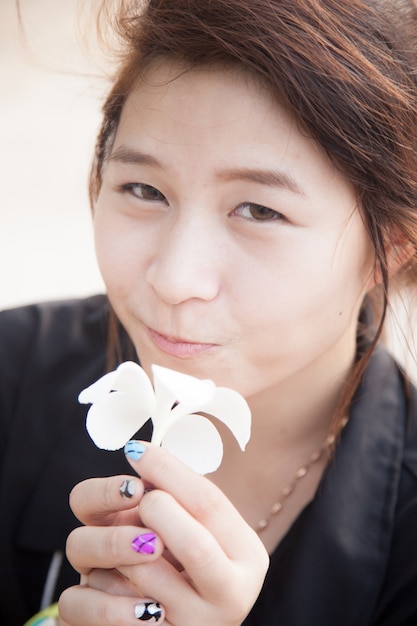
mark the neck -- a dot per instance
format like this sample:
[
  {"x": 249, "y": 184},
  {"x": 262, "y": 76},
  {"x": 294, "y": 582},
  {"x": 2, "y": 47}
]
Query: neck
[
  {"x": 290, "y": 424},
  {"x": 298, "y": 412}
]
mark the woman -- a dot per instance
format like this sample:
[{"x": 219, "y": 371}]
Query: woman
[{"x": 254, "y": 190}]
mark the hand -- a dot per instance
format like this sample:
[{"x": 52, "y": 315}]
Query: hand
[{"x": 210, "y": 573}]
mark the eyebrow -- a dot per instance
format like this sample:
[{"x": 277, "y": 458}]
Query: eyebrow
[
  {"x": 268, "y": 177},
  {"x": 130, "y": 156},
  {"x": 271, "y": 178}
]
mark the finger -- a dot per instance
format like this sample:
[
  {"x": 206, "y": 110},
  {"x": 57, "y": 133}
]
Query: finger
[
  {"x": 210, "y": 569},
  {"x": 107, "y": 501},
  {"x": 198, "y": 495},
  {"x": 83, "y": 606},
  {"x": 144, "y": 581},
  {"x": 110, "y": 546},
  {"x": 160, "y": 579},
  {"x": 113, "y": 582},
  {"x": 182, "y": 603}
]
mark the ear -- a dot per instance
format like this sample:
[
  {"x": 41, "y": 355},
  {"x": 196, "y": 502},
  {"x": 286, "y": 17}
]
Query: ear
[{"x": 399, "y": 251}]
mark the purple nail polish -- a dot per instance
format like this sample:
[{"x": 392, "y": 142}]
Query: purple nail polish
[{"x": 145, "y": 544}]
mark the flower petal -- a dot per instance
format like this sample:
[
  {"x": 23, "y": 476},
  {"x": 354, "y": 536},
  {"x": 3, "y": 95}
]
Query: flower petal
[
  {"x": 195, "y": 441},
  {"x": 132, "y": 379},
  {"x": 185, "y": 389},
  {"x": 231, "y": 409},
  {"x": 128, "y": 377},
  {"x": 97, "y": 390},
  {"x": 114, "y": 420}
]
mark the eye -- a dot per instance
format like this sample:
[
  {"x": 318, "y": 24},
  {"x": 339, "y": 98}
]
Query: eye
[
  {"x": 257, "y": 212},
  {"x": 144, "y": 192}
]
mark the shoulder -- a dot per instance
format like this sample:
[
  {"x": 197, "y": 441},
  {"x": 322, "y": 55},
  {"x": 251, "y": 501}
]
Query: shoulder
[
  {"x": 54, "y": 345},
  {"x": 390, "y": 404},
  {"x": 407, "y": 493},
  {"x": 51, "y": 324},
  {"x": 410, "y": 450},
  {"x": 398, "y": 598}
]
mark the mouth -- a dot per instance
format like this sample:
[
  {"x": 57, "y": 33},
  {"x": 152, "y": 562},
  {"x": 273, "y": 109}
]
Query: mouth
[{"x": 178, "y": 347}]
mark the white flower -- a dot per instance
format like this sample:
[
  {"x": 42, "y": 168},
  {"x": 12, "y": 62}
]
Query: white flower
[{"x": 123, "y": 400}]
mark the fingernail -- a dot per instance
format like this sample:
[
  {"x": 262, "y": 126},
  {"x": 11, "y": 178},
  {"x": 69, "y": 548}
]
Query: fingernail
[
  {"x": 145, "y": 544},
  {"x": 134, "y": 450},
  {"x": 127, "y": 489},
  {"x": 148, "y": 611}
]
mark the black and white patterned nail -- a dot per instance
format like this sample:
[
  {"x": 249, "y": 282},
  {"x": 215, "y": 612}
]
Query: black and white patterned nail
[
  {"x": 127, "y": 489},
  {"x": 148, "y": 611}
]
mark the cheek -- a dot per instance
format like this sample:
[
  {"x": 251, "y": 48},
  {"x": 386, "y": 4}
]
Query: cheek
[
  {"x": 106, "y": 253},
  {"x": 341, "y": 274},
  {"x": 322, "y": 287},
  {"x": 114, "y": 253}
]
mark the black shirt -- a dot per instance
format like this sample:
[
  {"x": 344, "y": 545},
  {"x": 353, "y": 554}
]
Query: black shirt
[{"x": 350, "y": 559}]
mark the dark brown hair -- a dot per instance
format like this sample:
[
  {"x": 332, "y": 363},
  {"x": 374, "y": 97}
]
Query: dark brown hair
[{"x": 346, "y": 69}]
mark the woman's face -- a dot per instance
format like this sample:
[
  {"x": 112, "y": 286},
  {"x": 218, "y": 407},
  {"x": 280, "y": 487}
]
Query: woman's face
[{"x": 230, "y": 247}]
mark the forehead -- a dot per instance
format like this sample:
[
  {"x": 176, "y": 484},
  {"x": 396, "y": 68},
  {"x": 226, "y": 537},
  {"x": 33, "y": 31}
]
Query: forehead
[
  {"x": 214, "y": 113},
  {"x": 201, "y": 85},
  {"x": 203, "y": 105}
]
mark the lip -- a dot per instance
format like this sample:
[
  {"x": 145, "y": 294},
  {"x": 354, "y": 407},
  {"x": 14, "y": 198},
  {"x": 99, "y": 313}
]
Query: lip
[{"x": 178, "y": 347}]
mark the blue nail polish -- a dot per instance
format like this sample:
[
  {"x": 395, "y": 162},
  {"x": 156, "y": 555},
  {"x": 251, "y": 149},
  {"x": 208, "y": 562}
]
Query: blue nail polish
[{"x": 134, "y": 450}]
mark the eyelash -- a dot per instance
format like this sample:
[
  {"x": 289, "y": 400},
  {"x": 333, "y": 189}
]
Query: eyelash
[
  {"x": 269, "y": 215},
  {"x": 131, "y": 187}
]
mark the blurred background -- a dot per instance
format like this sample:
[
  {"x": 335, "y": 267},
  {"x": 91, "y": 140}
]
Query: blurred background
[{"x": 50, "y": 102}]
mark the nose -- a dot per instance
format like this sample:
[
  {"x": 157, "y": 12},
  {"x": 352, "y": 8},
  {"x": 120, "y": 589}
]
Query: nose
[{"x": 185, "y": 263}]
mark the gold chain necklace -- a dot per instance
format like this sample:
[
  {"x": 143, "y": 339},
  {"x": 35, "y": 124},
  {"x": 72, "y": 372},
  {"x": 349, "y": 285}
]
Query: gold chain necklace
[{"x": 278, "y": 505}]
